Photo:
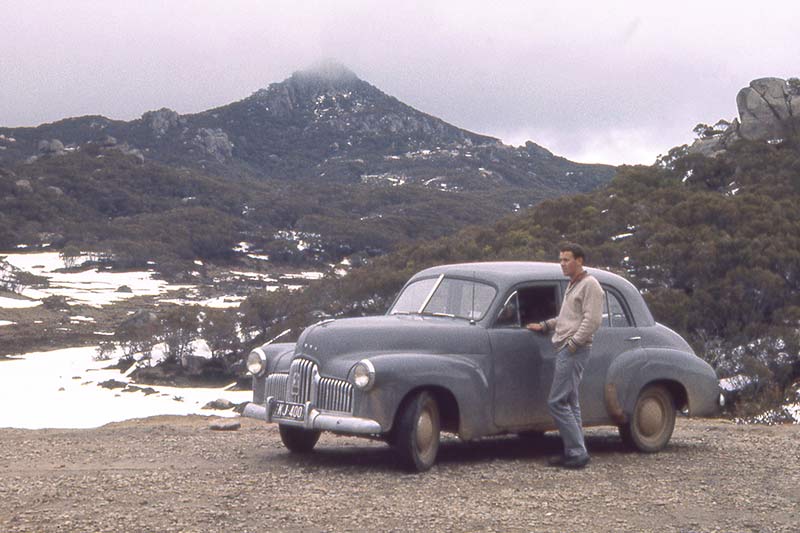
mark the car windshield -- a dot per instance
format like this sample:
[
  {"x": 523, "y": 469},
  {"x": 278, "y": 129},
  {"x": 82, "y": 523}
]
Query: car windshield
[{"x": 445, "y": 297}]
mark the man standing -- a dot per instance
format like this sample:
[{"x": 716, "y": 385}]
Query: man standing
[{"x": 573, "y": 330}]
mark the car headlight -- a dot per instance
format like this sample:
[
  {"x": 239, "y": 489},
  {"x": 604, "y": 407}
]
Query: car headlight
[
  {"x": 364, "y": 374},
  {"x": 257, "y": 362}
]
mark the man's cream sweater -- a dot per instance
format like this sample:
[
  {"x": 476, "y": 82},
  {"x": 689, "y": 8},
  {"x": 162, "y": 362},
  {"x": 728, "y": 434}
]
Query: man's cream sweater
[{"x": 580, "y": 316}]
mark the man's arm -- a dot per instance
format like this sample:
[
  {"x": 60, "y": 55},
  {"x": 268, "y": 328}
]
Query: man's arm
[{"x": 543, "y": 326}]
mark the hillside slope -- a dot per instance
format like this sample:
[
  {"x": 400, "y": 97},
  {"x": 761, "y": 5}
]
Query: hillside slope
[{"x": 315, "y": 168}]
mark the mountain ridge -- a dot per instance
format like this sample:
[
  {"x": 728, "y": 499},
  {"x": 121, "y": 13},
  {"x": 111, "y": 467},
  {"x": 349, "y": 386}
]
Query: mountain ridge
[{"x": 324, "y": 123}]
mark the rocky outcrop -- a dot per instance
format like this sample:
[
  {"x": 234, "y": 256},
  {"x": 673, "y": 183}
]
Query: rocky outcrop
[
  {"x": 769, "y": 110},
  {"x": 108, "y": 142},
  {"x": 51, "y": 146},
  {"x": 767, "y": 107},
  {"x": 23, "y": 186},
  {"x": 161, "y": 121},
  {"x": 215, "y": 143}
]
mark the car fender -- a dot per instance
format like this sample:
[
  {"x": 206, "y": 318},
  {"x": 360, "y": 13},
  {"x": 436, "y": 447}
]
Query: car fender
[
  {"x": 633, "y": 370},
  {"x": 278, "y": 355},
  {"x": 275, "y": 354},
  {"x": 399, "y": 374}
]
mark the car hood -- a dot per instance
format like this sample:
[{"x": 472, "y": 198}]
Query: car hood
[{"x": 337, "y": 345}]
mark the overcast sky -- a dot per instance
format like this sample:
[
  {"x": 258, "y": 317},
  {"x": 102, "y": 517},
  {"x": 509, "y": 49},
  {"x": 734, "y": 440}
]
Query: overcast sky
[{"x": 612, "y": 81}]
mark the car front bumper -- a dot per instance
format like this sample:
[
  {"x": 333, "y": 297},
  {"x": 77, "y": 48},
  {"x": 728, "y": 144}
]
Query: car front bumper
[{"x": 315, "y": 419}]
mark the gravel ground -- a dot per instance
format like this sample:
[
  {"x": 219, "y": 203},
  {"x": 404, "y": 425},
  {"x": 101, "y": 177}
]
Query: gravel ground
[{"x": 170, "y": 474}]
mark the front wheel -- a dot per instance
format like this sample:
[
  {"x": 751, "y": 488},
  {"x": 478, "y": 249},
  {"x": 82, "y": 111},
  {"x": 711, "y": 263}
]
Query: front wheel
[
  {"x": 652, "y": 422},
  {"x": 416, "y": 436},
  {"x": 298, "y": 440}
]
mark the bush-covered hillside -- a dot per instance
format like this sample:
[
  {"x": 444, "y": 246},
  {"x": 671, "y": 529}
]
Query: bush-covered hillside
[
  {"x": 105, "y": 200},
  {"x": 714, "y": 245}
]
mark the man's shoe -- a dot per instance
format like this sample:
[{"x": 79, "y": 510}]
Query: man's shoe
[
  {"x": 556, "y": 460},
  {"x": 576, "y": 462}
]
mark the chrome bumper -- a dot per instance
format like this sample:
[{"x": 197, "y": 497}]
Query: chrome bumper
[{"x": 317, "y": 420}]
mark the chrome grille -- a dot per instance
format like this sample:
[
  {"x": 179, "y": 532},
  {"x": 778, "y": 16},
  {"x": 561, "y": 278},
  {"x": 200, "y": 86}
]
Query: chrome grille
[
  {"x": 301, "y": 380},
  {"x": 335, "y": 395},
  {"x": 276, "y": 386},
  {"x": 304, "y": 384}
]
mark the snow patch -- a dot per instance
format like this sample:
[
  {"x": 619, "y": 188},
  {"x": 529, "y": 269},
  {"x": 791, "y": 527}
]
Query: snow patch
[
  {"x": 58, "y": 389},
  {"x": 735, "y": 383},
  {"x": 89, "y": 287},
  {"x": 16, "y": 303}
]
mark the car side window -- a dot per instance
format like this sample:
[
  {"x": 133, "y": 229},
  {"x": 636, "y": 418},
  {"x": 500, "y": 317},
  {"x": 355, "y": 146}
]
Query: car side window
[
  {"x": 614, "y": 314},
  {"x": 508, "y": 317},
  {"x": 528, "y": 304},
  {"x": 538, "y": 303}
]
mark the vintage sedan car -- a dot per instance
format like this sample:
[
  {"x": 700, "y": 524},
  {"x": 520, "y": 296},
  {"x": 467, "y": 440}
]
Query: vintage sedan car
[{"x": 452, "y": 354}]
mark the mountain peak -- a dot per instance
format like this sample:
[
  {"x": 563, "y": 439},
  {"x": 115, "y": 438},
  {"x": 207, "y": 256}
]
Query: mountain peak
[{"x": 328, "y": 70}]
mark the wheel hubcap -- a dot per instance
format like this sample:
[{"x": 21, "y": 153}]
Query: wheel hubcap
[
  {"x": 651, "y": 417},
  {"x": 424, "y": 431}
]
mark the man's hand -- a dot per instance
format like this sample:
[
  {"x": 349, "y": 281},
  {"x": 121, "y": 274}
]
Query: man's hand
[
  {"x": 535, "y": 326},
  {"x": 572, "y": 347}
]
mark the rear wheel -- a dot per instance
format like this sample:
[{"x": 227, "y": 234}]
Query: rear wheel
[
  {"x": 298, "y": 440},
  {"x": 416, "y": 436},
  {"x": 652, "y": 421}
]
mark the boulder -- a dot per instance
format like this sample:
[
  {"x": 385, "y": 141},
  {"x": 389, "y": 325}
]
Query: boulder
[
  {"x": 224, "y": 424},
  {"x": 161, "y": 121},
  {"x": 52, "y": 146},
  {"x": 774, "y": 91},
  {"x": 23, "y": 186},
  {"x": 215, "y": 143},
  {"x": 769, "y": 108},
  {"x": 765, "y": 109},
  {"x": 220, "y": 405}
]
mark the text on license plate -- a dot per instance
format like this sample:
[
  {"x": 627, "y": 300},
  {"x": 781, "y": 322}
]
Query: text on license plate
[{"x": 291, "y": 411}]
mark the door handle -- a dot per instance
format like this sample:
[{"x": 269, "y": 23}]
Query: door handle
[{"x": 634, "y": 338}]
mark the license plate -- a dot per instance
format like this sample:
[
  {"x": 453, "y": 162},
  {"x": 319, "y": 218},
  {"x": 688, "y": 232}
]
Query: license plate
[{"x": 289, "y": 411}]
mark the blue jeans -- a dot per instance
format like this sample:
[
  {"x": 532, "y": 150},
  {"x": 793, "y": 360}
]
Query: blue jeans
[{"x": 563, "y": 400}]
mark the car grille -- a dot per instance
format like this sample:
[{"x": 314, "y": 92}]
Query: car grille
[
  {"x": 276, "y": 386},
  {"x": 301, "y": 380},
  {"x": 304, "y": 384},
  {"x": 335, "y": 395}
]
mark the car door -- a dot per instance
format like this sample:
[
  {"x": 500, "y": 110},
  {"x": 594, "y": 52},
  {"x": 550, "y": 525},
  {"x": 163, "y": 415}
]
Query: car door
[
  {"x": 522, "y": 359},
  {"x": 617, "y": 334}
]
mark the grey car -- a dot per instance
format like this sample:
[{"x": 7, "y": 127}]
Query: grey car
[{"x": 452, "y": 354}]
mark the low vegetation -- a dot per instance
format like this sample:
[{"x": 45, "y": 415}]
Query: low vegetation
[{"x": 139, "y": 212}]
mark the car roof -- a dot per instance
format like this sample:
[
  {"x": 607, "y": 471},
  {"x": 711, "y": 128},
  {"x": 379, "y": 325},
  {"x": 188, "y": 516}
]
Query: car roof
[
  {"x": 507, "y": 274},
  {"x": 510, "y": 272}
]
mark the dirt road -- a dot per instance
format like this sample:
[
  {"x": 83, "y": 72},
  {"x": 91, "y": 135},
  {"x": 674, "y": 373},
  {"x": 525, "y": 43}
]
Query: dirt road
[{"x": 170, "y": 474}]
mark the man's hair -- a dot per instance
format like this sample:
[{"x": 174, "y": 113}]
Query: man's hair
[{"x": 576, "y": 249}]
